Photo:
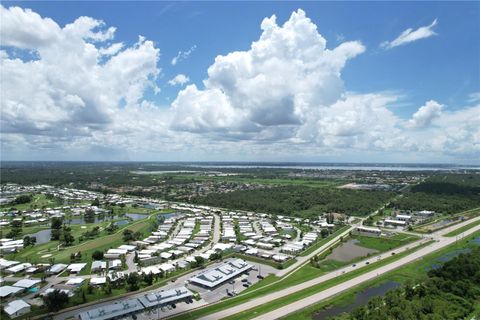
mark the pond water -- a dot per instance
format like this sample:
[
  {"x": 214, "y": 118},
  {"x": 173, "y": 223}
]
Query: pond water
[
  {"x": 151, "y": 206},
  {"x": 136, "y": 216},
  {"x": 42, "y": 236},
  {"x": 349, "y": 250},
  {"x": 361, "y": 299},
  {"x": 172, "y": 214},
  {"x": 450, "y": 255},
  {"x": 96, "y": 219},
  {"x": 121, "y": 222}
]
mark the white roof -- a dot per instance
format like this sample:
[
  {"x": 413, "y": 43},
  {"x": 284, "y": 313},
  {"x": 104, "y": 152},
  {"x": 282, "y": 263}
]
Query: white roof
[
  {"x": 150, "y": 269},
  {"x": 167, "y": 267},
  {"x": 7, "y": 290},
  {"x": 19, "y": 267},
  {"x": 98, "y": 280},
  {"x": 7, "y": 263},
  {"x": 76, "y": 267},
  {"x": 74, "y": 281},
  {"x": 26, "y": 283},
  {"x": 56, "y": 268},
  {"x": 15, "y": 306}
]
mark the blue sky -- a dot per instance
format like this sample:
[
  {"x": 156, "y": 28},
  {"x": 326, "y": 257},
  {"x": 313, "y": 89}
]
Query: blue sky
[{"x": 442, "y": 67}]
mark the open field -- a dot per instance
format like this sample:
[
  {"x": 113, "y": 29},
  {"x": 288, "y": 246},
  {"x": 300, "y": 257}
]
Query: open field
[
  {"x": 385, "y": 243},
  {"x": 39, "y": 201}
]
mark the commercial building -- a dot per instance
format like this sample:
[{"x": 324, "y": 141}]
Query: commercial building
[
  {"x": 162, "y": 298},
  {"x": 119, "y": 309},
  {"x": 216, "y": 276},
  {"x": 368, "y": 231}
]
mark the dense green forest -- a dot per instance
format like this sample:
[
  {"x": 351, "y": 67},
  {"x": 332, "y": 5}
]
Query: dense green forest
[
  {"x": 297, "y": 200},
  {"x": 449, "y": 292},
  {"x": 445, "y": 193}
]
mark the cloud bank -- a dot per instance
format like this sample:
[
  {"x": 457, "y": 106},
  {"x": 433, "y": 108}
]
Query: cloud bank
[{"x": 74, "y": 93}]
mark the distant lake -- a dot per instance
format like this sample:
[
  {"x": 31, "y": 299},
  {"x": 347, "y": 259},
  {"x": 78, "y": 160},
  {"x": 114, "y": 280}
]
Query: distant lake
[{"x": 337, "y": 166}]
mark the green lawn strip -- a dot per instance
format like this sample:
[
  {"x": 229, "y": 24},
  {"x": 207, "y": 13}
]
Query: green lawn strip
[
  {"x": 266, "y": 281},
  {"x": 302, "y": 274},
  {"x": 322, "y": 242},
  {"x": 413, "y": 271},
  {"x": 462, "y": 229},
  {"x": 280, "y": 302}
]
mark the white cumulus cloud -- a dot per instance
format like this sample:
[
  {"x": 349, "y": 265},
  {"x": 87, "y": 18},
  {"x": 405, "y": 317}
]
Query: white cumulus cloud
[
  {"x": 285, "y": 73},
  {"x": 426, "y": 114},
  {"x": 179, "y": 79},
  {"x": 411, "y": 35}
]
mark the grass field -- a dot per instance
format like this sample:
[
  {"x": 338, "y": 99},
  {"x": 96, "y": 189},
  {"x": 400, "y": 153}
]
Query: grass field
[
  {"x": 385, "y": 243},
  {"x": 413, "y": 271},
  {"x": 39, "y": 201}
]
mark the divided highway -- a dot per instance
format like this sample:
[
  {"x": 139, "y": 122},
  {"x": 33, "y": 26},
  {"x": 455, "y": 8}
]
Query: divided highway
[{"x": 441, "y": 242}]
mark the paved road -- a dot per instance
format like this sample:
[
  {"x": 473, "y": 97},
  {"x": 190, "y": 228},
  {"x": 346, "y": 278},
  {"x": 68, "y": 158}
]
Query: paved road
[
  {"x": 298, "y": 305},
  {"x": 442, "y": 242}
]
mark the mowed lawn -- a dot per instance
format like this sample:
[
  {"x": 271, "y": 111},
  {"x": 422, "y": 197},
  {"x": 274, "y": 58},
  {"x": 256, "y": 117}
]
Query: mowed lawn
[
  {"x": 101, "y": 243},
  {"x": 47, "y": 251},
  {"x": 383, "y": 244}
]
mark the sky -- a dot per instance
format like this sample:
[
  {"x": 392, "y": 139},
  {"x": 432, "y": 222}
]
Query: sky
[{"x": 231, "y": 81}]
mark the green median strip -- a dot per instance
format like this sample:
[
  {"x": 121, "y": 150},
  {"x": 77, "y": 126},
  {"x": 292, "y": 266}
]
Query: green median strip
[
  {"x": 283, "y": 301},
  {"x": 412, "y": 271},
  {"x": 302, "y": 274},
  {"x": 462, "y": 229}
]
